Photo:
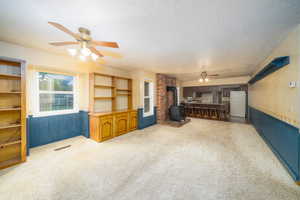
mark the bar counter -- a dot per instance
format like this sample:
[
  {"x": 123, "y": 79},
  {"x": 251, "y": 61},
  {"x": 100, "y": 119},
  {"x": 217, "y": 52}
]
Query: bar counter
[{"x": 214, "y": 111}]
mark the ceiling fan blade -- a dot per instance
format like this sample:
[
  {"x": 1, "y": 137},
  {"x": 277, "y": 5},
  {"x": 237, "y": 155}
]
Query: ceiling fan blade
[
  {"x": 105, "y": 44},
  {"x": 111, "y": 54},
  {"x": 213, "y": 75},
  {"x": 64, "y": 29},
  {"x": 63, "y": 43},
  {"x": 95, "y": 51}
]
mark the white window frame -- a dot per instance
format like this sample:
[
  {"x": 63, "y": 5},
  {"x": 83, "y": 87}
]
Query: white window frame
[
  {"x": 38, "y": 113},
  {"x": 151, "y": 97}
]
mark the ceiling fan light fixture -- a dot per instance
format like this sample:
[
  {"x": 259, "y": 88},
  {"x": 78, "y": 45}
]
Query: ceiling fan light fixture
[
  {"x": 85, "y": 51},
  {"x": 72, "y": 52},
  {"x": 206, "y": 79},
  {"x": 94, "y": 56},
  {"x": 86, "y": 42},
  {"x": 201, "y": 80}
]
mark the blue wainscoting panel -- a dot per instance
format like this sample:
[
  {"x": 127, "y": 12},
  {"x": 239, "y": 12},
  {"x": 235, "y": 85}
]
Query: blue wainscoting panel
[
  {"x": 282, "y": 138},
  {"x": 273, "y": 66},
  {"x": 144, "y": 122},
  {"x": 85, "y": 125},
  {"x": 44, "y": 130}
]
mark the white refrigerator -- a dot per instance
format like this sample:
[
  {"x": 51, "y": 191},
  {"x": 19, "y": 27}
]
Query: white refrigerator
[{"x": 238, "y": 103}]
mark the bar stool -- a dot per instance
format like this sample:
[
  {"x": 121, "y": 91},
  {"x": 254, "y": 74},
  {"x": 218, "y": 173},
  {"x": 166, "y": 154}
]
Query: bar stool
[
  {"x": 213, "y": 113},
  {"x": 196, "y": 111},
  {"x": 189, "y": 110},
  {"x": 218, "y": 114},
  {"x": 206, "y": 112},
  {"x": 186, "y": 111},
  {"x": 223, "y": 115},
  {"x": 209, "y": 113},
  {"x": 202, "y": 112}
]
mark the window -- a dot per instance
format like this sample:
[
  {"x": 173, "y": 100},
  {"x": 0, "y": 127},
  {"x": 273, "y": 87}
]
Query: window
[
  {"x": 56, "y": 94},
  {"x": 148, "y": 98}
]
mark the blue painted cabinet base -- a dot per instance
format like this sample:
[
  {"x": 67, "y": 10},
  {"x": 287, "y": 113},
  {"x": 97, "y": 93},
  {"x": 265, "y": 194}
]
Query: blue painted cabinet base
[{"x": 282, "y": 138}]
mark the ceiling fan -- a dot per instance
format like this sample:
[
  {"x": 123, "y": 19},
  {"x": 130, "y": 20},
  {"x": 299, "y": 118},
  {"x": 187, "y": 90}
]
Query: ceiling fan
[
  {"x": 87, "y": 44},
  {"x": 204, "y": 76}
]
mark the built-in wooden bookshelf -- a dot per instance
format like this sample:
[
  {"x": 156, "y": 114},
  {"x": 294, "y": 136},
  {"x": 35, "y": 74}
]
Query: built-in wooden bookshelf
[
  {"x": 109, "y": 93},
  {"x": 111, "y": 112},
  {"x": 12, "y": 112}
]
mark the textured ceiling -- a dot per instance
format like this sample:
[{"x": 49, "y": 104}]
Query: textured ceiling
[{"x": 179, "y": 37}]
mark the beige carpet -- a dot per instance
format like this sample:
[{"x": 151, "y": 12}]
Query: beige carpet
[{"x": 201, "y": 160}]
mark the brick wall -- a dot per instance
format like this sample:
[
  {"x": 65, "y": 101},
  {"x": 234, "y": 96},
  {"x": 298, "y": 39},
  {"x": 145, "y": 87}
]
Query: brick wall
[{"x": 162, "y": 98}]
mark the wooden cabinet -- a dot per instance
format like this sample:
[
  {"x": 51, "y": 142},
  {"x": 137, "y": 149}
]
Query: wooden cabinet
[
  {"x": 121, "y": 124},
  {"x": 111, "y": 112},
  {"x": 104, "y": 126},
  {"x": 188, "y": 92},
  {"x": 12, "y": 112},
  {"x": 106, "y": 130},
  {"x": 132, "y": 120},
  {"x": 101, "y": 128}
]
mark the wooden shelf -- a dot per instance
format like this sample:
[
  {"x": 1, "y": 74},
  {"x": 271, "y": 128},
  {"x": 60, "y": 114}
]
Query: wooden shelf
[
  {"x": 103, "y": 98},
  {"x": 10, "y": 92},
  {"x": 9, "y": 163},
  {"x": 10, "y": 143},
  {"x": 123, "y": 94},
  {"x": 10, "y": 76},
  {"x": 104, "y": 86},
  {"x": 10, "y": 126},
  {"x": 12, "y": 112},
  {"x": 124, "y": 90},
  {"x": 9, "y": 109},
  {"x": 118, "y": 86}
]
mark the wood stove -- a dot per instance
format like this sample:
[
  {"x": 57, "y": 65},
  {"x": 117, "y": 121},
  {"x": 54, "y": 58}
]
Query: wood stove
[{"x": 176, "y": 112}]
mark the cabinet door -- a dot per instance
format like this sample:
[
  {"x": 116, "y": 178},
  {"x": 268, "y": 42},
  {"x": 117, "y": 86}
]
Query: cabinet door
[
  {"x": 106, "y": 128},
  {"x": 121, "y": 124},
  {"x": 132, "y": 121},
  {"x": 94, "y": 128}
]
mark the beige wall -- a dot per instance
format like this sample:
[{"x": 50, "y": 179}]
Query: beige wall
[
  {"x": 139, "y": 76},
  {"x": 221, "y": 81},
  {"x": 44, "y": 61},
  {"x": 272, "y": 94}
]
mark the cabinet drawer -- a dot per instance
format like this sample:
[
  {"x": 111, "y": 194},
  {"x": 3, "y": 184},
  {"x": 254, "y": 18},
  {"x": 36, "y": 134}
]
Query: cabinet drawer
[
  {"x": 107, "y": 117},
  {"x": 122, "y": 115}
]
